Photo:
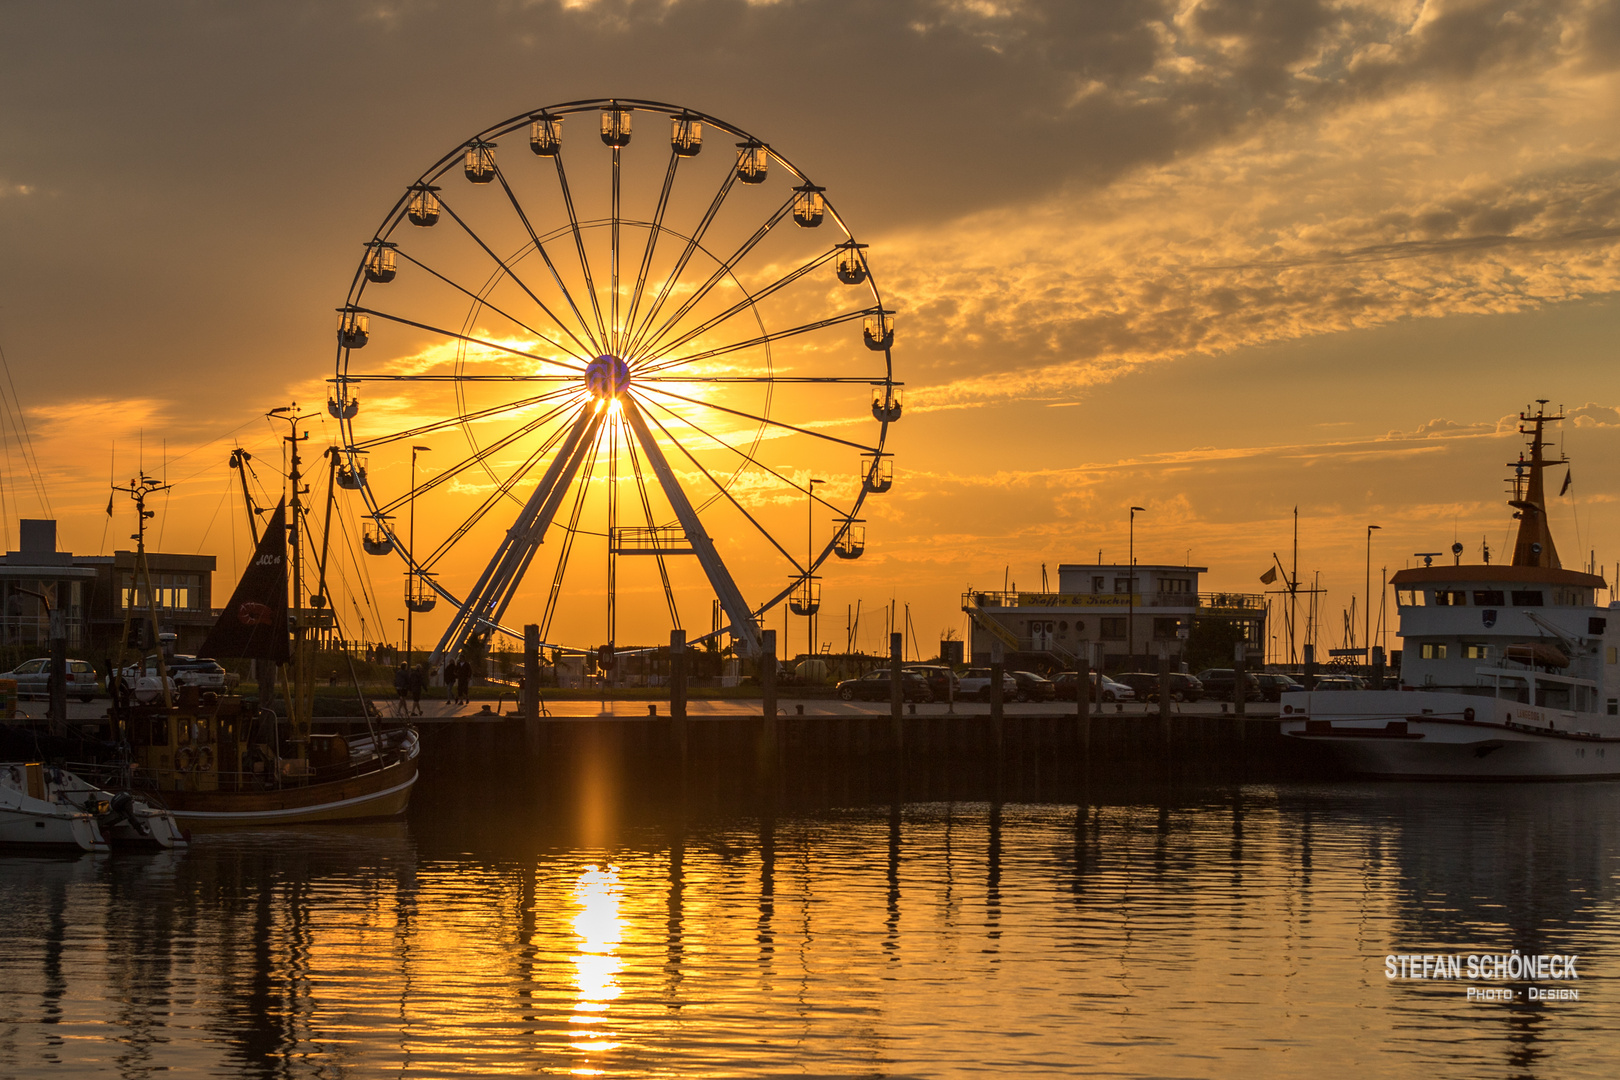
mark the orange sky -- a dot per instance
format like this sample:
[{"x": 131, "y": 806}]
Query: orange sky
[{"x": 1213, "y": 259}]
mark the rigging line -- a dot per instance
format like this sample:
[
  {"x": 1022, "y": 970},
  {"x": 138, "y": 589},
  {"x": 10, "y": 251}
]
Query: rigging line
[
  {"x": 212, "y": 518},
  {"x": 731, "y": 498},
  {"x": 460, "y": 337},
  {"x": 651, "y": 342},
  {"x": 749, "y": 300},
  {"x": 468, "y": 462},
  {"x": 545, "y": 255},
  {"x": 567, "y": 546},
  {"x": 646, "y": 509},
  {"x": 362, "y": 571},
  {"x": 519, "y": 282},
  {"x": 763, "y": 420},
  {"x": 652, "y": 237},
  {"x": 441, "y": 425},
  {"x": 500, "y": 492},
  {"x": 27, "y": 441},
  {"x": 764, "y": 339},
  {"x": 499, "y": 311},
  {"x": 750, "y": 458},
  {"x": 579, "y": 245},
  {"x": 692, "y": 243}
]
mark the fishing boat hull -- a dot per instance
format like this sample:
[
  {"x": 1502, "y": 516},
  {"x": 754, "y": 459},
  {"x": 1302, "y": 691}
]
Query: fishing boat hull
[
  {"x": 383, "y": 793},
  {"x": 1445, "y": 736}
]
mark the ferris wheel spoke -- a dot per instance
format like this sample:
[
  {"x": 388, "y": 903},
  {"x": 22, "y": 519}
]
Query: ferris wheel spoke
[
  {"x": 850, "y": 380},
  {"x": 763, "y": 531},
  {"x": 744, "y": 454},
  {"x": 761, "y": 419},
  {"x": 646, "y": 511},
  {"x": 364, "y": 377},
  {"x": 613, "y": 291},
  {"x": 545, "y": 256},
  {"x": 509, "y": 272},
  {"x": 566, "y": 548},
  {"x": 650, "y": 342},
  {"x": 748, "y": 301},
  {"x": 692, "y": 244},
  {"x": 763, "y": 339},
  {"x": 579, "y": 246},
  {"x": 582, "y": 358},
  {"x": 455, "y": 421},
  {"x": 652, "y": 238},
  {"x": 479, "y": 456},
  {"x": 486, "y": 603},
  {"x": 744, "y": 628},
  {"x": 501, "y": 491},
  {"x": 459, "y": 337}
]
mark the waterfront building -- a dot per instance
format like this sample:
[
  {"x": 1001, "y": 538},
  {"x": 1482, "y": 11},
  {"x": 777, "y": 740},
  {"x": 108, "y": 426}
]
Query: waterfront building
[
  {"x": 1131, "y": 616},
  {"x": 93, "y": 592}
]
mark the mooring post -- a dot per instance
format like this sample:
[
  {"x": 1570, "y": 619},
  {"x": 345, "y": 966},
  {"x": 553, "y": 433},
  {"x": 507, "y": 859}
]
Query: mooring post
[
  {"x": 677, "y": 693},
  {"x": 528, "y": 708},
  {"x": 997, "y": 719},
  {"x": 767, "y": 682},
  {"x": 1164, "y": 684},
  {"x": 1309, "y": 656},
  {"x": 897, "y": 690},
  {"x": 1240, "y": 678}
]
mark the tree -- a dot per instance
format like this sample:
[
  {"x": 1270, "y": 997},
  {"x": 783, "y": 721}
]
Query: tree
[{"x": 1211, "y": 643}]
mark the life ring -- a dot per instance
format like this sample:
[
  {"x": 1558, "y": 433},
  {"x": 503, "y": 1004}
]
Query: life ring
[
  {"x": 182, "y": 759},
  {"x": 205, "y": 758}
]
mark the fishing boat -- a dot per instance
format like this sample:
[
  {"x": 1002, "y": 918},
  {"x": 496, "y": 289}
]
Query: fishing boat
[
  {"x": 218, "y": 760},
  {"x": 1508, "y": 671}
]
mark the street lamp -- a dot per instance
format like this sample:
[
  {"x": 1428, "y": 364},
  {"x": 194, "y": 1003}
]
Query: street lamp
[
  {"x": 409, "y": 596},
  {"x": 809, "y": 562},
  {"x": 1130, "y": 617},
  {"x": 1366, "y": 616}
]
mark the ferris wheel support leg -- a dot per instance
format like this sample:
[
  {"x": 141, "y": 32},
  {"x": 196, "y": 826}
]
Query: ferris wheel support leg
[
  {"x": 486, "y": 603},
  {"x": 744, "y": 630}
]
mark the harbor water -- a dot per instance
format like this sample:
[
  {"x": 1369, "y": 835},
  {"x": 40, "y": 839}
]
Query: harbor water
[{"x": 1151, "y": 930}]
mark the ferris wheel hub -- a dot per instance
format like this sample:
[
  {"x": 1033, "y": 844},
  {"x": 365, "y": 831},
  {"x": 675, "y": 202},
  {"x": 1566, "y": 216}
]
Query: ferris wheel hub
[{"x": 607, "y": 376}]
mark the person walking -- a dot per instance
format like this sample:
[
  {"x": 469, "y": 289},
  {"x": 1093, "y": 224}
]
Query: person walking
[
  {"x": 464, "y": 681},
  {"x": 416, "y": 676},
  {"x": 402, "y": 686}
]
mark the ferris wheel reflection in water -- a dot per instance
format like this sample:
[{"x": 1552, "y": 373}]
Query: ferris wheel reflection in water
[{"x": 667, "y": 414}]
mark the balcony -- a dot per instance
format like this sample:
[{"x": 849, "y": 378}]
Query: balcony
[{"x": 1213, "y": 602}]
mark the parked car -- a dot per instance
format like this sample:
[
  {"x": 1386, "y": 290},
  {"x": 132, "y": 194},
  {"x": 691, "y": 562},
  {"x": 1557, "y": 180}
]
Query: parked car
[
  {"x": 1327, "y": 683},
  {"x": 1219, "y": 683},
  {"x": 1067, "y": 685},
  {"x": 874, "y": 686},
  {"x": 1183, "y": 687},
  {"x": 1033, "y": 687},
  {"x": 976, "y": 684},
  {"x": 942, "y": 681},
  {"x": 184, "y": 670},
  {"x": 33, "y": 679},
  {"x": 1273, "y": 686}
]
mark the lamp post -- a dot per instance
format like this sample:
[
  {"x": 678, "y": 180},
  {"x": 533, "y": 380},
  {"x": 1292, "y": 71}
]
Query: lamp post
[
  {"x": 410, "y": 580},
  {"x": 809, "y": 562},
  {"x": 1366, "y": 616},
  {"x": 402, "y": 636},
  {"x": 1130, "y": 583}
]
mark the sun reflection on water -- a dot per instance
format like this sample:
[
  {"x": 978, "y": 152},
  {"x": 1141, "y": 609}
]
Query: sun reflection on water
[{"x": 597, "y": 895}]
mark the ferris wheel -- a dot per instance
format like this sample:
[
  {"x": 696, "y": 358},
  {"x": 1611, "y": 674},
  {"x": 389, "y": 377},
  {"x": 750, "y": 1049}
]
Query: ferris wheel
[{"x": 659, "y": 378}]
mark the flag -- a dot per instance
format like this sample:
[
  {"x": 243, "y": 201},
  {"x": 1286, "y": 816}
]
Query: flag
[
  {"x": 109, "y": 503},
  {"x": 1269, "y": 576},
  {"x": 1565, "y": 489}
]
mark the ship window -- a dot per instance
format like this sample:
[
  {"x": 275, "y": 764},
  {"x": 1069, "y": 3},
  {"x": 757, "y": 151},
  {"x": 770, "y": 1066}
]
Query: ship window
[
  {"x": 1614, "y": 655},
  {"x": 1410, "y": 597},
  {"x": 1450, "y": 598},
  {"x": 1488, "y": 598},
  {"x": 1527, "y": 598},
  {"x": 1434, "y": 650},
  {"x": 1614, "y": 707},
  {"x": 1473, "y": 650},
  {"x": 1596, "y": 626}
]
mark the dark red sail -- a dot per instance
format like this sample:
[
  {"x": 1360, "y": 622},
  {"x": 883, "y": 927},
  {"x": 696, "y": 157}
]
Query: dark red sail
[{"x": 254, "y": 624}]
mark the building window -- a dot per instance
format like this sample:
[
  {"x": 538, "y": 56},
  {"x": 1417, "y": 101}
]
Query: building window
[
  {"x": 1527, "y": 598},
  {"x": 1489, "y": 598},
  {"x": 1614, "y": 655},
  {"x": 1175, "y": 585},
  {"x": 1122, "y": 585},
  {"x": 1165, "y": 628},
  {"x": 1434, "y": 650},
  {"x": 171, "y": 592},
  {"x": 1113, "y": 629},
  {"x": 1097, "y": 583},
  {"x": 1473, "y": 650}
]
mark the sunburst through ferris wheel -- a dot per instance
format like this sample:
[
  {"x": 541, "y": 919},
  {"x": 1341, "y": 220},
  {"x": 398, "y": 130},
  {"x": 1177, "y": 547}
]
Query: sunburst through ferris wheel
[{"x": 641, "y": 378}]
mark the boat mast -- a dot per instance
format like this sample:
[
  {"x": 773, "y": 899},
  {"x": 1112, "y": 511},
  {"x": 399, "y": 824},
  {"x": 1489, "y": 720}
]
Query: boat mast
[
  {"x": 1534, "y": 545},
  {"x": 139, "y": 490},
  {"x": 300, "y": 693}
]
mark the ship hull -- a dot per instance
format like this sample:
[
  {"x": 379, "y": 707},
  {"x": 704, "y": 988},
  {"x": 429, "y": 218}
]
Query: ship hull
[
  {"x": 382, "y": 794},
  {"x": 1439, "y": 736}
]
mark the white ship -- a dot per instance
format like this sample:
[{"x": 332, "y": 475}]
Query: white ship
[{"x": 1509, "y": 672}]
